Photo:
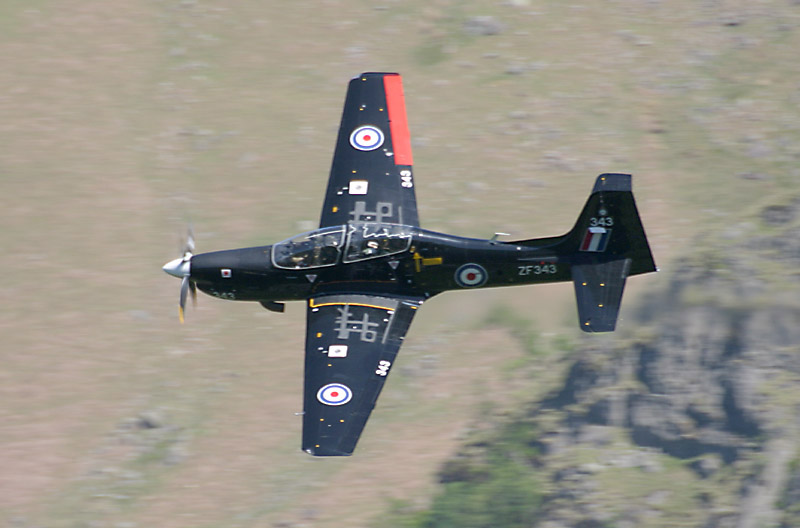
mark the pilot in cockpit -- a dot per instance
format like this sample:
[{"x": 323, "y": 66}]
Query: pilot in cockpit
[{"x": 371, "y": 248}]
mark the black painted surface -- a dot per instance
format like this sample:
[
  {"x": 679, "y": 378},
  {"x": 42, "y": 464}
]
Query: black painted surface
[{"x": 364, "y": 282}]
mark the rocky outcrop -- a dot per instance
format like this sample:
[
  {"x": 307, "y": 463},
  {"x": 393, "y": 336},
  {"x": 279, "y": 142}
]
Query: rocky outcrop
[{"x": 708, "y": 378}]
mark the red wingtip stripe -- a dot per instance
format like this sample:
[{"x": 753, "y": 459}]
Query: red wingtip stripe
[{"x": 398, "y": 122}]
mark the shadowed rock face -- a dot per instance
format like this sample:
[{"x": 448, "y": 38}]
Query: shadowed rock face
[
  {"x": 714, "y": 340},
  {"x": 710, "y": 377}
]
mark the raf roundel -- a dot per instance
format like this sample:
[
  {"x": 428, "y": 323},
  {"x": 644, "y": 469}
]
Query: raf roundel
[
  {"x": 366, "y": 137},
  {"x": 334, "y": 394},
  {"x": 471, "y": 275}
]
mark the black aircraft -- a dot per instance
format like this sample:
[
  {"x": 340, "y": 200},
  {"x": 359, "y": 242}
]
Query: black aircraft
[{"x": 369, "y": 267}]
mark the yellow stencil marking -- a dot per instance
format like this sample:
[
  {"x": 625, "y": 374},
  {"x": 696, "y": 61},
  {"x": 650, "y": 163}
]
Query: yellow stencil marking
[
  {"x": 420, "y": 261},
  {"x": 314, "y": 305}
]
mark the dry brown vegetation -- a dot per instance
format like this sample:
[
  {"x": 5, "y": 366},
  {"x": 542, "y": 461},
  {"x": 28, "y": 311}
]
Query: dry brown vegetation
[{"x": 121, "y": 122}]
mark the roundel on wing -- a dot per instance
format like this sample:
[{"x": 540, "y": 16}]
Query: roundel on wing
[
  {"x": 471, "y": 275},
  {"x": 334, "y": 394},
  {"x": 367, "y": 137}
]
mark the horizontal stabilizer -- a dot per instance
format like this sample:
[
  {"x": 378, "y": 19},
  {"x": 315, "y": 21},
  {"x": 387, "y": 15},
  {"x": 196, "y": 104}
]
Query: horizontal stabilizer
[{"x": 598, "y": 289}]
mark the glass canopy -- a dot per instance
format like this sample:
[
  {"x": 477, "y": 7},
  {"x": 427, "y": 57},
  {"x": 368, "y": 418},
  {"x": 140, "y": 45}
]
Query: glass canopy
[
  {"x": 322, "y": 247},
  {"x": 309, "y": 250},
  {"x": 371, "y": 240}
]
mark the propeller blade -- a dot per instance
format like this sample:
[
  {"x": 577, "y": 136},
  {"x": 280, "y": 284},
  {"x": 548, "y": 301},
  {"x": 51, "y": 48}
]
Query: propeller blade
[
  {"x": 189, "y": 246},
  {"x": 182, "y": 268},
  {"x": 193, "y": 291},
  {"x": 185, "y": 285}
]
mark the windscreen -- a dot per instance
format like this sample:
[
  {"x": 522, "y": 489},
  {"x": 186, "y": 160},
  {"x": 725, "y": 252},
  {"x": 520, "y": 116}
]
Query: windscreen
[{"x": 309, "y": 250}]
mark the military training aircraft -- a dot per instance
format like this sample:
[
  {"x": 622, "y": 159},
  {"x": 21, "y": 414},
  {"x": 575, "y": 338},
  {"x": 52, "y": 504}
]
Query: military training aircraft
[{"x": 369, "y": 266}]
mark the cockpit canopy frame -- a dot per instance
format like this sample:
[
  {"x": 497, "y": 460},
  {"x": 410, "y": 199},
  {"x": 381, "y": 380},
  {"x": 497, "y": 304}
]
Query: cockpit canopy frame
[
  {"x": 324, "y": 247},
  {"x": 314, "y": 249},
  {"x": 369, "y": 240}
]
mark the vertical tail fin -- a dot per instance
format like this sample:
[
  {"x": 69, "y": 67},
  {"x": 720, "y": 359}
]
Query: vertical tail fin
[{"x": 609, "y": 227}]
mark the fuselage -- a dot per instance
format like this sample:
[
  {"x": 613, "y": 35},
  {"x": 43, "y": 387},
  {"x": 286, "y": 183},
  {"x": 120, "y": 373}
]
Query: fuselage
[{"x": 372, "y": 258}]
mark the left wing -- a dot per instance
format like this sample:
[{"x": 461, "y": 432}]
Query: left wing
[
  {"x": 371, "y": 178},
  {"x": 351, "y": 344}
]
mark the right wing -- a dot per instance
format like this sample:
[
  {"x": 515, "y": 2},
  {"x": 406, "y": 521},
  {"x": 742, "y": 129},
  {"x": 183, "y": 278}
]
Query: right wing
[
  {"x": 371, "y": 178},
  {"x": 351, "y": 344}
]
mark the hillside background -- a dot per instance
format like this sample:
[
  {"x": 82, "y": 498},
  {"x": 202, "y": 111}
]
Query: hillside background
[{"x": 122, "y": 122}]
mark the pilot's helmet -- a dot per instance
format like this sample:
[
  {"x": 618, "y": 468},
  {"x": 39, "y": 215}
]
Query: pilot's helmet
[{"x": 372, "y": 248}]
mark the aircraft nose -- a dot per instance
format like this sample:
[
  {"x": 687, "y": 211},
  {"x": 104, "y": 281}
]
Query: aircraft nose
[{"x": 178, "y": 268}]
